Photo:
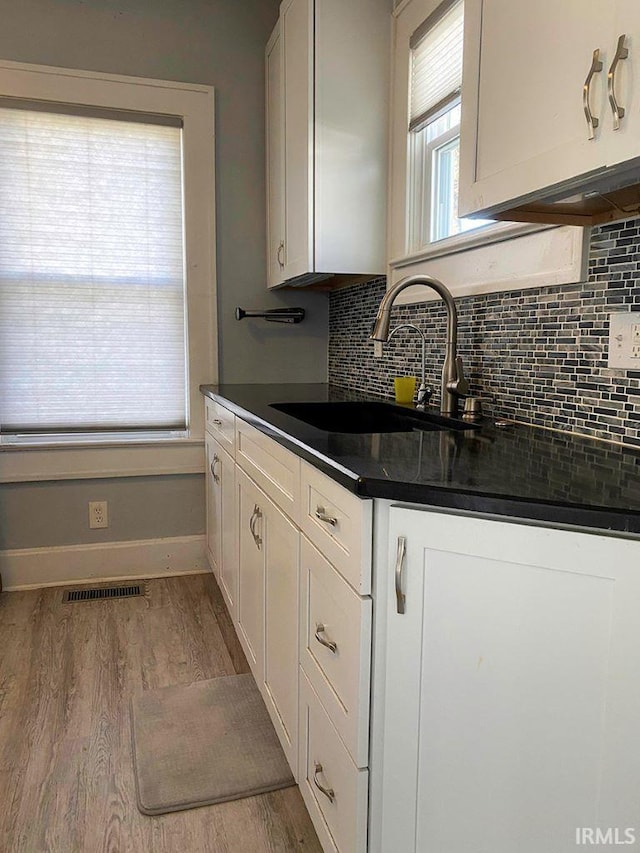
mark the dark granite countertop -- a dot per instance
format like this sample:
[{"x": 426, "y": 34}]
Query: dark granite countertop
[{"x": 518, "y": 471}]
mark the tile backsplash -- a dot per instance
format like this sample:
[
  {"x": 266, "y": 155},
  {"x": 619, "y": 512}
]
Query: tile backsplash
[{"x": 537, "y": 355}]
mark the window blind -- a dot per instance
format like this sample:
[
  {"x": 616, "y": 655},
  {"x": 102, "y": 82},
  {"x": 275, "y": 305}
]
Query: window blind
[
  {"x": 92, "y": 286},
  {"x": 436, "y": 64}
]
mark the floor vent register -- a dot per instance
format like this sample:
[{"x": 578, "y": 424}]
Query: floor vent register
[{"x": 102, "y": 592}]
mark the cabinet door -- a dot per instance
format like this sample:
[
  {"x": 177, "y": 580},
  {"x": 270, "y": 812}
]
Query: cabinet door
[
  {"x": 214, "y": 506},
  {"x": 524, "y": 127},
  {"x": 275, "y": 159},
  {"x": 281, "y": 627},
  {"x": 297, "y": 44},
  {"x": 623, "y": 142},
  {"x": 225, "y": 470},
  {"x": 221, "y": 520},
  {"x": 511, "y": 691},
  {"x": 251, "y": 568}
]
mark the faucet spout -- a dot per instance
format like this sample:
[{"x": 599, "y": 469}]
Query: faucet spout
[{"x": 454, "y": 384}]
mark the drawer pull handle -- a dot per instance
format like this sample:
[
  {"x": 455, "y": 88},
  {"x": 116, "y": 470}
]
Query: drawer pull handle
[
  {"x": 215, "y": 476},
  {"x": 596, "y": 67},
  {"x": 328, "y": 643},
  {"x": 328, "y": 792},
  {"x": 400, "y": 597},
  {"x": 321, "y": 514},
  {"x": 217, "y": 421},
  {"x": 255, "y": 515},
  {"x": 618, "y": 112}
]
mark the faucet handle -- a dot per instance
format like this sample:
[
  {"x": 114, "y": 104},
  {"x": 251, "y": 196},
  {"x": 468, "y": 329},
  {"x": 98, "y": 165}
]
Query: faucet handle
[
  {"x": 459, "y": 386},
  {"x": 424, "y": 395}
]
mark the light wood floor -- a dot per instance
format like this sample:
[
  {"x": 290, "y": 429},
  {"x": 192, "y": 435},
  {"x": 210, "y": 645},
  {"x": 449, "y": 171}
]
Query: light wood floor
[{"x": 67, "y": 672}]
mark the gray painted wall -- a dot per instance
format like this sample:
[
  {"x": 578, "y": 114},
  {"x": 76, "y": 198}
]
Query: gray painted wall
[
  {"x": 36, "y": 515},
  {"x": 219, "y": 43}
]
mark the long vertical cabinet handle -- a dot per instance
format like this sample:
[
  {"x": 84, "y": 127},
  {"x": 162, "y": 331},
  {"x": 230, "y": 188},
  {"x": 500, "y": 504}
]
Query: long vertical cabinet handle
[
  {"x": 255, "y": 515},
  {"x": 621, "y": 53},
  {"x": 596, "y": 67},
  {"x": 215, "y": 476},
  {"x": 400, "y": 555},
  {"x": 281, "y": 254}
]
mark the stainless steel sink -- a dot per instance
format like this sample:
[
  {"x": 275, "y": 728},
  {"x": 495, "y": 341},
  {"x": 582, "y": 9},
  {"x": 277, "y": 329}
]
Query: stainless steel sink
[{"x": 368, "y": 417}]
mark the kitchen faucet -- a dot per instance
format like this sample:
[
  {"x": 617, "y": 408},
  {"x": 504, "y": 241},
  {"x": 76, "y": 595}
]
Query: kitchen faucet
[
  {"x": 454, "y": 385},
  {"x": 424, "y": 393}
]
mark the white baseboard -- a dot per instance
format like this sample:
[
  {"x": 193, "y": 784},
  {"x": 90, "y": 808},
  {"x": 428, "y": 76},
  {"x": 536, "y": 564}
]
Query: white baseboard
[{"x": 30, "y": 568}]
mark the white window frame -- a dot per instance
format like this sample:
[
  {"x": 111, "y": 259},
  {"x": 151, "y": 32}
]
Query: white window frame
[
  {"x": 194, "y": 105},
  {"x": 421, "y": 186},
  {"x": 505, "y": 256}
]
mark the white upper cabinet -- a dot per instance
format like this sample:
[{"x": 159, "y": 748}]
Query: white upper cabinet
[
  {"x": 275, "y": 160},
  {"x": 538, "y": 117},
  {"x": 327, "y": 94},
  {"x": 625, "y": 143}
]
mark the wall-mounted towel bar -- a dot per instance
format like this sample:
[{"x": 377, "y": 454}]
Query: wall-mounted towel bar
[{"x": 274, "y": 315}]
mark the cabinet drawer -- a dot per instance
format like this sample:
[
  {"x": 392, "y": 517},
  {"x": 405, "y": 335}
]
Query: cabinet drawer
[
  {"x": 274, "y": 469},
  {"x": 339, "y": 524},
  {"x": 333, "y": 614},
  {"x": 220, "y": 422},
  {"x": 340, "y": 814}
]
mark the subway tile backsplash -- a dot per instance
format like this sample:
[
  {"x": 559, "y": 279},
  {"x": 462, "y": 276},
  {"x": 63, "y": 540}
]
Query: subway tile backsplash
[{"x": 537, "y": 355}]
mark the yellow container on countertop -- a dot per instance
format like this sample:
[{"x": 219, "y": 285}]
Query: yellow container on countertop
[{"x": 405, "y": 388}]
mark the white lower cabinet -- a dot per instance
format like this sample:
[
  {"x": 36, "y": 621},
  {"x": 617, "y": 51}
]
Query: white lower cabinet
[
  {"x": 281, "y": 627},
  {"x": 506, "y": 687},
  {"x": 221, "y": 520},
  {"x": 267, "y": 620},
  {"x": 213, "y": 502},
  {"x": 251, "y": 572},
  {"x": 306, "y": 627},
  {"x": 502, "y": 705}
]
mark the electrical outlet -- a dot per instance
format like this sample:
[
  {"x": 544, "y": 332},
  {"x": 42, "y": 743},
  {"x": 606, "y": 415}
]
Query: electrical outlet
[
  {"x": 98, "y": 514},
  {"x": 624, "y": 340}
]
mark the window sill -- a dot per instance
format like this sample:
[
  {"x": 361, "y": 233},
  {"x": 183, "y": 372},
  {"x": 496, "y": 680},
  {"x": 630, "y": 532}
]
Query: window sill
[
  {"x": 467, "y": 241},
  {"x": 510, "y": 257},
  {"x": 80, "y": 461}
]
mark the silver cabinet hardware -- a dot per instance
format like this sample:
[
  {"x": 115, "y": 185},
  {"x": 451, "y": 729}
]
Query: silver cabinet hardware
[
  {"x": 321, "y": 514},
  {"x": 217, "y": 421},
  {"x": 215, "y": 476},
  {"x": 400, "y": 597},
  {"x": 621, "y": 53},
  {"x": 328, "y": 792},
  {"x": 281, "y": 254},
  {"x": 328, "y": 643},
  {"x": 255, "y": 516},
  {"x": 596, "y": 67}
]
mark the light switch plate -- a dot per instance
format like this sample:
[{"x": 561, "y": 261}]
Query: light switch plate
[{"x": 624, "y": 340}]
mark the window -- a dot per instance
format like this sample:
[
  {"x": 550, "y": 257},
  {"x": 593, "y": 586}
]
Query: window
[
  {"x": 435, "y": 81},
  {"x": 92, "y": 291},
  {"x": 107, "y": 273}
]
